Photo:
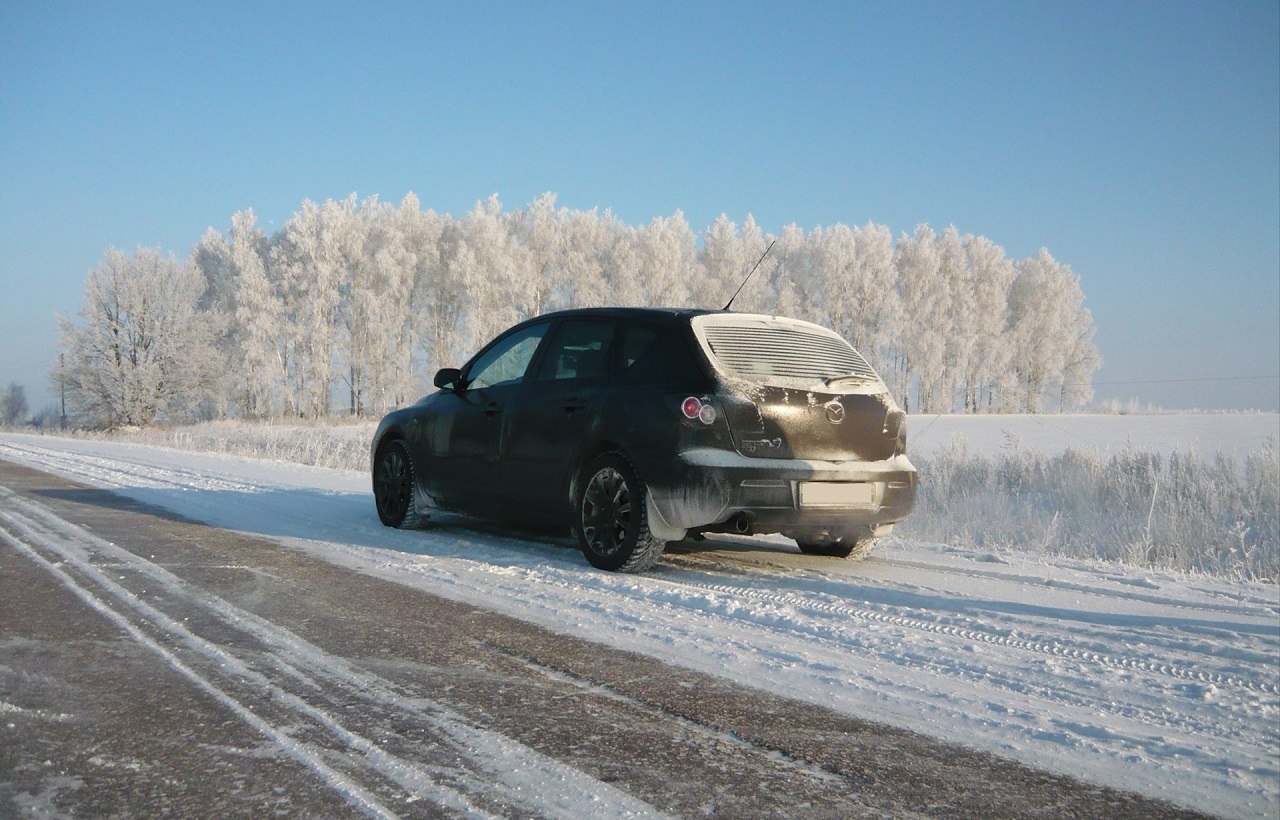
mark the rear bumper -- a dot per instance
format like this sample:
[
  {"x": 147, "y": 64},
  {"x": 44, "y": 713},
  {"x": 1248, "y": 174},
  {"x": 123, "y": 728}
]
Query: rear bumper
[{"x": 712, "y": 487}]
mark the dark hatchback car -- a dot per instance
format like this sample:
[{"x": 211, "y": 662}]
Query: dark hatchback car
[{"x": 637, "y": 427}]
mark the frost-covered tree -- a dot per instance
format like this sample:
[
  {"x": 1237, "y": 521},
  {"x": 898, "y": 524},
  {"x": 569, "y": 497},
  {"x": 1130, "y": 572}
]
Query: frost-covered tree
[
  {"x": 13, "y": 404},
  {"x": 377, "y": 297},
  {"x": 540, "y": 232},
  {"x": 853, "y": 285},
  {"x": 729, "y": 255},
  {"x": 789, "y": 273},
  {"x": 620, "y": 265},
  {"x": 594, "y": 254},
  {"x": 212, "y": 259},
  {"x": 724, "y": 264},
  {"x": 957, "y": 276},
  {"x": 1048, "y": 324},
  {"x": 988, "y": 360},
  {"x": 440, "y": 297},
  {"x": 262, "y": 328},
  {"x": 421, "y": 233},
  {"x": 666, "y": 263},
  {"x": 142, "y": 351},
  {"x": 926, "y": 321},
  {"x": 488, "y": 265},
  {"x": 379, "y": 315},
  {"x": 1082, "y": 360},
  {"x": 312, "y": 265}
]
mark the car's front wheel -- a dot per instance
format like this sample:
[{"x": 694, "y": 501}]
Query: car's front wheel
[
  {"x": 393, "y": 486},
  {"x": 610, "y": 516},
  {"x": 850, "y": 545}
]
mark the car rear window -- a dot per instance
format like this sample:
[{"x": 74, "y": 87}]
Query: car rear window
[{"x": 765, "y": 347}]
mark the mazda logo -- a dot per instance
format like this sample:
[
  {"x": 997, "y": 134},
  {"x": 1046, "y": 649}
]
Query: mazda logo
[{"x": 835, "y": 412}]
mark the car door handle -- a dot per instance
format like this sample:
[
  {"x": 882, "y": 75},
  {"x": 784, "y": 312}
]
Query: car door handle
[
  {"x": 493, "y": 409},
  {"x": 573, "y": 404}
]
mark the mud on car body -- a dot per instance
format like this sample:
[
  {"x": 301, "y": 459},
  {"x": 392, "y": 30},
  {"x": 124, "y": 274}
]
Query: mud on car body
[{"x": 638, "y": 427}]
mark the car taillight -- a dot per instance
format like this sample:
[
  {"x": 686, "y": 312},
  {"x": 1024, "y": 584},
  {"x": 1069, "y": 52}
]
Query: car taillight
[
  {"x": 894, "y": 421},
  {"x": 695, "y": 408}
]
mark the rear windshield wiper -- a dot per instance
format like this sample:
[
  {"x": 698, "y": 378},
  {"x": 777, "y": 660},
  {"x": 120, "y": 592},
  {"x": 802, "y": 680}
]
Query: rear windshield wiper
[{"x": 848, "y": 378}]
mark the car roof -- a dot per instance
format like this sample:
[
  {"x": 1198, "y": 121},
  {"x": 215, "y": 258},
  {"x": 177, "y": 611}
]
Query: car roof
[{"x": 623, "y": 313}]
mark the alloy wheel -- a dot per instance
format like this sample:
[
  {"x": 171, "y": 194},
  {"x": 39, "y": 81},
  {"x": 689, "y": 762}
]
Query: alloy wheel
[
  {"x": 393, "y": 485},
  {"x": 606, "y": 511}
]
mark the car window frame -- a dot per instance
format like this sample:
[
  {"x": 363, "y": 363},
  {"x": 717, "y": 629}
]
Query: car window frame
[{"x": 468, "y": 380}]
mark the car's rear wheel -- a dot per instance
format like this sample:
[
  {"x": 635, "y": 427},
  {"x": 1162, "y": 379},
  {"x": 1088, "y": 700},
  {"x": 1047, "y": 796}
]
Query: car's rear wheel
[
  {"x": 610, "y": 516},
  {"x": 850, "y": 545},
  {"x": 393, "y": 486}
]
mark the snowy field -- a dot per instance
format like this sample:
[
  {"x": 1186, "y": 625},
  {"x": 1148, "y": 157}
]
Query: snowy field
[
  {"x": 1164, "y": 683},
  {"x": 1205, "y": 433}
]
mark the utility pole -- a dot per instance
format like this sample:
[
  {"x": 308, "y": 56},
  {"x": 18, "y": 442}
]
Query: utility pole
[{"x": 62, "y": 383}]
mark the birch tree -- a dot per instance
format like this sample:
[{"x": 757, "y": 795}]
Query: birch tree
[
  {"x": 925, "y": 319},
  {"x": 667, "y": 263},
  {"x": 13, "y": 404},
  {"x": 379, "y": 296},
  {"x": 540, "y": 277},
  {"x": 487, "y": 265},
  {"x": 855, "y": 285},
  {"x": 1048, "y": 324},
  {"x": 263, "y": 339},
  {"x": 723, "y": 264},
  {"x": 380, "y": 313},
  {"x": 142, "y": 352},
  {"x": 594, "y": 254},
  {"x": 988, "y": 362}
]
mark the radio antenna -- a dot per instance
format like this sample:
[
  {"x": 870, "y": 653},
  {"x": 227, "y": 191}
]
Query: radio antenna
[{"x": 748, "y": 279}]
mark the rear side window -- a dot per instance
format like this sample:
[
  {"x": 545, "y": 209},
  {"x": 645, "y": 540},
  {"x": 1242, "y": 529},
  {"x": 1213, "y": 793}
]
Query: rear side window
[
  {"x": 578, "y": 350},
  {"x": 657, "y": 353},
  {"x": 636, "y": 341}
]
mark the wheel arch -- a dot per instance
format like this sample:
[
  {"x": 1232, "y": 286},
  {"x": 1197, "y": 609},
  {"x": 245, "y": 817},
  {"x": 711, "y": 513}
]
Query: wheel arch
[
  {"x": 585, "y": 456},
  {"x": 382, "y": 439}
]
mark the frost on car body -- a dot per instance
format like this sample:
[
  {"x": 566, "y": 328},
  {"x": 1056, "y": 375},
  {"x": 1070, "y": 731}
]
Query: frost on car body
[{"x": 642, "y": 426}]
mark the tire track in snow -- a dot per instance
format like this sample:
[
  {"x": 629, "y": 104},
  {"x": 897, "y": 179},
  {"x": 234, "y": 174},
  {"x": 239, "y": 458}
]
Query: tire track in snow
[
  {"x": 1053, "y": 648},
  {"x": 1154, "y": 720},
  {"x": 108, "y": 470},
  {"x": 493, "y": 765}
]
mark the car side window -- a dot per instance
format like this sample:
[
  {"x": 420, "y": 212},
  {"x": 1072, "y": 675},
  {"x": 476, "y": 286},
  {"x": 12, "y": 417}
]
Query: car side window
[
  {"x": 507, "y": 361},
  {"x": 636, "y": 340},
  {"x": 578, "y": 350}
]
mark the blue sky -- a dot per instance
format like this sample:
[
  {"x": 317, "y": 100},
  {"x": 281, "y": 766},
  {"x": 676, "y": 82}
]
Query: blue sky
[{"x": 1138, "y": 142}]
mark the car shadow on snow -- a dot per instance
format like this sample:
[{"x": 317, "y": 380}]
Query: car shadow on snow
[
  {"x": 342, "y": 518},
  {"x": 350, "y": 519}
]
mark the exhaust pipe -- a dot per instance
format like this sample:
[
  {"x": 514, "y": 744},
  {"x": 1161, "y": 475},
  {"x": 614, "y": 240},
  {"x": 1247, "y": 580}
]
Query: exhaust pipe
[{"x": 742, "y": 523}]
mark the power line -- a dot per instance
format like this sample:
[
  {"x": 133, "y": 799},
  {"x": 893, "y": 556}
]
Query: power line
[
  {"x": 1180, "y": 381},
  {"x": 1118, "y": 383}
]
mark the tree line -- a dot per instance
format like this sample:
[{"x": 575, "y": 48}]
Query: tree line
[{"x": 352, "y": 305}]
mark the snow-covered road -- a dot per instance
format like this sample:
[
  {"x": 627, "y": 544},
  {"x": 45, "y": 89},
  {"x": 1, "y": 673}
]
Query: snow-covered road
[{"x": 1165, "y": 685}]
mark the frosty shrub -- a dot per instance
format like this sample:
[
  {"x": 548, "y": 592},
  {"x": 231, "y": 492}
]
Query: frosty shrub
[
  {"x": 1182, "y": 511},
  {"x": 335, "y": 446}
]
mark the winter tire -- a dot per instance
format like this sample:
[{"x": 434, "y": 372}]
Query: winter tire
[
  {"x": 610, "y": 516},
  {"x": 851, "y": 545},
  {"x": 393, "y": 487}
]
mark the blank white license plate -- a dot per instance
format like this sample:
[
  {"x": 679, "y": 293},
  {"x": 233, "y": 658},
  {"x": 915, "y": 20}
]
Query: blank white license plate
[{"x": 837, "y": 494}]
